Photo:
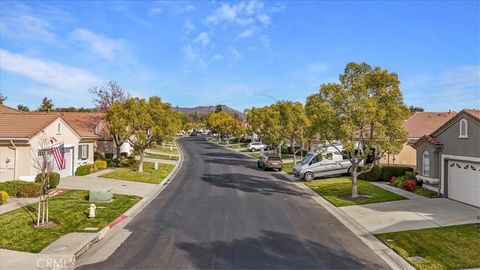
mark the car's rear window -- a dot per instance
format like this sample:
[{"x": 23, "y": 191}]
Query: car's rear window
[{"x": 273, "y": 158}]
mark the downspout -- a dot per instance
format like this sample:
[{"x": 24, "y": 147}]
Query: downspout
[
  {"x": 14, "y": 160},
  {"x": 441, "y": 176}
]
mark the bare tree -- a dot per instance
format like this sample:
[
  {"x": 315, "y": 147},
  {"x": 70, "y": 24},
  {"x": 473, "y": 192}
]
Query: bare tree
[
  {"x": 42, "y": 157},
  {"x": 105, "y": 96}
]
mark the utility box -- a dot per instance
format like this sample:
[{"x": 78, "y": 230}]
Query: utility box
[{"x": 100, "y": 196}]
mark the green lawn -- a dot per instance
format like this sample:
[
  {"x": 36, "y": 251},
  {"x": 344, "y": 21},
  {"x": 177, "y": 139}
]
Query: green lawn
[
  {"x": 150, "y": 175},
  {"x": 337, "y": 190},
  {"x": 166, "y": 150},
  {"x": 255, "y": 154},
  {"x": 426, "y": 192},
  {"x": 69, "y": 210},
  {"x": 157, "y": 156},
  {"x": 453, "y": 247},
  {"x": 237, "y": 145},
  {"x": 288, "y": 168}
]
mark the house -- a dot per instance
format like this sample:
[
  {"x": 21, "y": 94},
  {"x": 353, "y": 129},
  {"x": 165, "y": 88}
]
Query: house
[
  {"x": 448, "y": 159},
  {"x": 417, "y": 125},
  {"x": 19, "y": 143}
]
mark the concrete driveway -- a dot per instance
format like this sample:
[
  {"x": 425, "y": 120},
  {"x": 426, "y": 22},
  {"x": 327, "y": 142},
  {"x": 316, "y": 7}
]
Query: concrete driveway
[
  {"x": 92, "y": 181},
  {"x": 411, "y": 214}
]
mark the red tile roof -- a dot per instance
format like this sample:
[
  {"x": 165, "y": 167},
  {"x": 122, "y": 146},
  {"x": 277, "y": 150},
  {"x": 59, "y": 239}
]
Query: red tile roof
[
  {"x": 23, "y": 125},
  {"x": 424, "y": 123},
  {"x": 6, "y": 109}
]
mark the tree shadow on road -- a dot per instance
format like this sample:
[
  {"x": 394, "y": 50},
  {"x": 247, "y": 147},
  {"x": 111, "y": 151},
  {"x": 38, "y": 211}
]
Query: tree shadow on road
[
  {"x": 272, "y": 250},
  {"x": 251, "y": 183}
]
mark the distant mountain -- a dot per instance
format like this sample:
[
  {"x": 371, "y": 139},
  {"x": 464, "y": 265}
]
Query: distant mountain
[{"x": 204, "y": 110}]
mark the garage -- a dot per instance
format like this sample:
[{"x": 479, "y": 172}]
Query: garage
[{"x": 464, "y": 182}]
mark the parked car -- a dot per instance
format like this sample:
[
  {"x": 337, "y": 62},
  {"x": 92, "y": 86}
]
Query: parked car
[
  {"x": 255, "y": 146},
  {"x": 322, "y": 163},
  {"x": 227, "y": 138},
  {"x": 269, "y": 161}
]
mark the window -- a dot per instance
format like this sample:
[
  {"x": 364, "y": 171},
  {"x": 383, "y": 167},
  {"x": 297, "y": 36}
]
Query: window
[
  {"x": 58, "y": 128},
  {"x": 463, "y": 129},
  {"x": 83, "y": 151},
  {"x": 426, "y": 164},
  {"x": 317, "y": 159}
]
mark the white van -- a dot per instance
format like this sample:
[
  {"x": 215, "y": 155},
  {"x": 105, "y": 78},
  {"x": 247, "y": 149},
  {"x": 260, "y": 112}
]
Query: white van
[{"x": 326, "y": 162}]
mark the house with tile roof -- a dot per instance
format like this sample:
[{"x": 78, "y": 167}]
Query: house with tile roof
[
  {"x": 448, "y": 158},
  {"x": 19, "y": 142},
  {"x": 417, "y": 125}
]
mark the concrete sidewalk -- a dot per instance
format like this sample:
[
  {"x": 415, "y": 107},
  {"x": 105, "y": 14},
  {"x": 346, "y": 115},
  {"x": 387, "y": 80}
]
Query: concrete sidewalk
[
  {"x": 15, "y": 203},
  {"x": 155, "y": 152},
  {"x": 407, "y": 194},
  {"x": 91, "y": 181},
  {"x": 164, "y": 161},
  {"x": 411, "y": 214}
]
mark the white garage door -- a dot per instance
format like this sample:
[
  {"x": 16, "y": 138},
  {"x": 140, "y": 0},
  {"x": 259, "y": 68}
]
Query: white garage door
[{"x": 464, "y": 182}]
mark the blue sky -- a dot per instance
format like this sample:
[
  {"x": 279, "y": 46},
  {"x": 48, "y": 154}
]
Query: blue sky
[{"x": 236, "y": 53}]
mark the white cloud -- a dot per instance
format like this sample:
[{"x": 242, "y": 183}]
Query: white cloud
[
  {"x": 47, "y": 72},
  {"x": 101, "y": 45},
  {"x": 265, "y": 41},
  {"x": 316, "y": 68},
  {"x": 235, "y": 54},
  {"x": 241, "y": 13},
  {"x": 155, "y": 10},
  {"x": 203, "y": 39},
  {"x": 188, "y": 8},
  {"x": 189, "y": 26},
  {"x": 193, "y": 58},
  {"x": 264, "y": 19},
  {"x": 246, "y": 34},
  {"x": 217, "y": 57}
]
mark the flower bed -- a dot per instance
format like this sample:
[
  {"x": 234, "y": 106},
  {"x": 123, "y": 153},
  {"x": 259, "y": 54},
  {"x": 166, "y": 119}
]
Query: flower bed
[{"x": 408, "y": 182}]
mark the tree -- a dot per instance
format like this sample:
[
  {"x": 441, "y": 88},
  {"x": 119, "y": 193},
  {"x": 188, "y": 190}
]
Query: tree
[
  {"x": 266, "y": 123},
  {"x": 46, "y": 106},
  {"x": 144, "y": 122},
  {"x": 105, "y": 96},
  {"x": 294, "y": 123},
  {"x": 23, "y": 108},
  {"x": 2, "y": 98},
  {"x": 220, "y": 122},
  {"x": 364, "y": 112},
  {"x": 218, "y": 108},
  {"x": 416, "y": 109}
]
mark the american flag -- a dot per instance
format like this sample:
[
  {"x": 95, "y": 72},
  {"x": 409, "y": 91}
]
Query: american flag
[{"x": 59, "y": 155}]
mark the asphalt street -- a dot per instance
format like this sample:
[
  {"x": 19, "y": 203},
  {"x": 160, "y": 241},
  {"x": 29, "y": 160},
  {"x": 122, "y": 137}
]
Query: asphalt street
[{"x": 221, "y": 212}]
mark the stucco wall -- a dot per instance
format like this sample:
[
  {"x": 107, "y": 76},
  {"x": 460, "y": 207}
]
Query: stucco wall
[
  {"x": 453, "y": 145},
  {"x": 434, "y": 159},
  {"x": 407, "y": 156}
]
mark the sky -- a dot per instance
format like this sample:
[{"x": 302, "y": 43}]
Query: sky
[{"x": 241, "y": 54}]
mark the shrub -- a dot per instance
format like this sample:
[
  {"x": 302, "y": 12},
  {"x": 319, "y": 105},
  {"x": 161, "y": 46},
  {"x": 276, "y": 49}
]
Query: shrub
[
  {"x": 30, "y": 190},
  {"x": 400, "y": 181},
  {"x": 54, "y": 179},
  {"x": 109, "y": 156},
  {"x": 83, "y": 170},
  {"x": 410, "y": 185},
  {"x": 100, "y": 164},
  {"x": 410, "y": 175},
  {"x": 389, "y": 171},
  {"x": 393, "y": 180},
  {"x": 13, "y": 187},
  {"x": 375, "y": 174},
  {"x": 98, "y": 156},
  {"x": 3, "y": 197}
]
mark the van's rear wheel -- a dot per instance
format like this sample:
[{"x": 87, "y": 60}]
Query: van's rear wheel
[{"x": 308, "y": 176}]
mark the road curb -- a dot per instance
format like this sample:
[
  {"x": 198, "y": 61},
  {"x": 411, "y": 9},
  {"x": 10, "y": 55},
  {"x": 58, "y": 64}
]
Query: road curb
[
  {"x": 126, "y": 217},
  {"x": 394, "y": 260}
]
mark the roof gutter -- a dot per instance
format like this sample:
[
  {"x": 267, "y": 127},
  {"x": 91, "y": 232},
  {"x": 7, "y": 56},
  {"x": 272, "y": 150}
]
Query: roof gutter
[{"x": 14, "y": 138}]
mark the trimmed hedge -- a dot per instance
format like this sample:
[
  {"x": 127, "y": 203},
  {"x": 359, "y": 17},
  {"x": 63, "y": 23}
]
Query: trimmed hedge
[
  {"x": 3, "y": 197},
  {"x": 17, "y": 188},
  {"x": 389, "y": 171},
  {"x": 100, "y": 164},
  {"x": 83, "y": 170},
  {"x": 54, "y": 179},
  {"x": 385, "y": 173},
  {"x": 375, "y": 174}
]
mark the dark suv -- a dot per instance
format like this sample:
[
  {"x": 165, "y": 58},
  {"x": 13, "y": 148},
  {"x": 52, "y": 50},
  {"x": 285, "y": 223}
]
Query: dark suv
[{"x": 268, "y": 161}]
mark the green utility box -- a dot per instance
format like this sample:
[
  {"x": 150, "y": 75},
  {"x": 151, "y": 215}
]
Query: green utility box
[{"x": 100, "y": 196}]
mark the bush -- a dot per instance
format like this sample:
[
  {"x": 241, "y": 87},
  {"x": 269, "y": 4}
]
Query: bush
[
  {"x": 400, "y": 181},
  {"x": 375, "y": 174},
  {"x": 98, "y": 156},
  {"x": 83, "y": 170},
  {"x": 109, "y": 156},
  {"x": 410, "y": 185},
  {"x": 13, "y": 187},
  {"x": 3, "y": 197},
  {"x": 389, "y": 171},
  {"x": 54, "y": 179},
  {"x": 100, "y": 164},
  {"x": 30, "y": 190}
]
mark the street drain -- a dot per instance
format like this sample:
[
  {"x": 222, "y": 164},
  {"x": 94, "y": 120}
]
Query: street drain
[
  {"x": 91, "y": 229},
  {"x": 415, "y": 258}
]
